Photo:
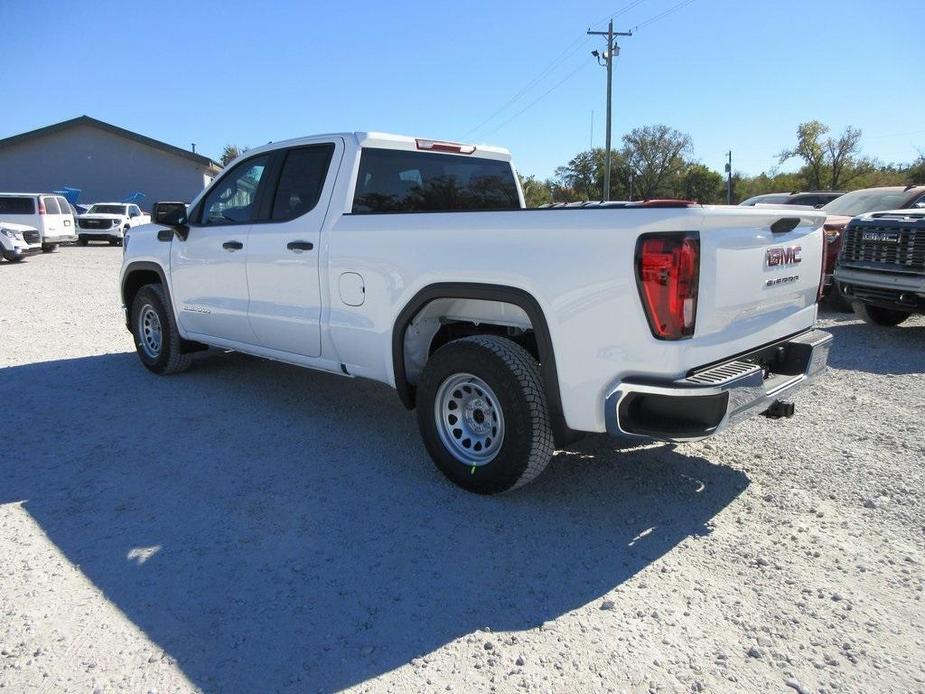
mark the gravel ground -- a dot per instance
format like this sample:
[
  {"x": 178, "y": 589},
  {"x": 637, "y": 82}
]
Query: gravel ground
[{"x": 254, "y": 527}]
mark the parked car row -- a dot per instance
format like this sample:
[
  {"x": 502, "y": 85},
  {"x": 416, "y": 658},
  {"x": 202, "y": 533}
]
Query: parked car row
[
  {"x": 840, "y": 210},
  {"x": 40, "y": 222},
  {"x": 46, "y": 220},
  {"x": 816, "y": 198}
]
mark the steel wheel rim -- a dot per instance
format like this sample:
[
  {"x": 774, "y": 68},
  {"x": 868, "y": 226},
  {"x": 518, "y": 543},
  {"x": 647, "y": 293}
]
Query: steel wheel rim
[
  {"x": 469, "y": 419},
  {"x": 150, "y": 335}
]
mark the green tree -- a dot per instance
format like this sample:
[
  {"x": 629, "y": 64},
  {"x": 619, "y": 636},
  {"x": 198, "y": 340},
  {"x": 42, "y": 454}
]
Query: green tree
[
  {"x": 656, "y": 154},
  {"x": 583, "y": 177},
  {"x": 536, "y": 192},
  {"x": 916, "y": 172},
  {"x": 829, "y": 162},
  {"x": 703, "y": 184},
  {"x": 230, "y": 153}
]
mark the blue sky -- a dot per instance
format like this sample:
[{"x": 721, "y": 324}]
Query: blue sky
[{"x": 733, "y": 74}]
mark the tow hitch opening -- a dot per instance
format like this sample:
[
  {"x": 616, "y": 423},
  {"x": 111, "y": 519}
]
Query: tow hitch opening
[{"x": 780, "y": 408}]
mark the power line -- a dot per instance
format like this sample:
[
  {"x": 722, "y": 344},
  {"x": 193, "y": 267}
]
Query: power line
[
  {"x": 664, "y": 14},
  {"x": 568, "y": 52},
  {"x": 540, "y": 97},
  {"x": 617, "y": 13},
  {"x": 564, "y": 55}
]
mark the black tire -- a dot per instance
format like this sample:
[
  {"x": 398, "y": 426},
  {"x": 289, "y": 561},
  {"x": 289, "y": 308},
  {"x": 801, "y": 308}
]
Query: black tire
[
  {"x": 49, "y": 247},
  {"x": 169, "y": 358},
  {"x": 82, "y": 242},
  {"x": 12, "y": 257},
  {"x": 877, "y": 315},
  {"x": 526, "y": 444}
]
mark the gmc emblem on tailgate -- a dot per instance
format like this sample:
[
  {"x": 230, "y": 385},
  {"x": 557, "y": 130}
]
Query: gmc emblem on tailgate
[
  {"x": 881, "y": 236},
  {"x": 776, "y": 257}
]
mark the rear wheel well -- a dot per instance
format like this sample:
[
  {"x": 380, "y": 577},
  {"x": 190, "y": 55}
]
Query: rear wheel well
[
  {"x": 442, "y": 312},
  {"x": 454, "y": 330}
]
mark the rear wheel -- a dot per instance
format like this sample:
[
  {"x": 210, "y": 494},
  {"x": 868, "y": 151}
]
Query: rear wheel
[
  {"x": 82, "y": 242},
  {"x": 157, "y": 340},
  {"x": 483, "y": 416},
  {"x": 49, "y": 247},
  {"x": 877, "y": 315}
]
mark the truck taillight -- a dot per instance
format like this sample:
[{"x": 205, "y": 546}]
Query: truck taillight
[
  {"x": 41, "y": 206},
  {"x": 667, "y": 274}
]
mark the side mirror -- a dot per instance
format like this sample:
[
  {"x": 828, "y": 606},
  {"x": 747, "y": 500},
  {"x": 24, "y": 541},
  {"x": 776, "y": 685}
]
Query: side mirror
[
  {"x": 920, "y": 205},
  {"x": 172, "y": 214}
]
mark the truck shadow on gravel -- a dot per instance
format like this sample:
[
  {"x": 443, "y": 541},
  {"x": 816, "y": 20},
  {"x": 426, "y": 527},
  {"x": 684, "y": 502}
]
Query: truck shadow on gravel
[
  {"x": 273, "y": 528},
  {"x": 877, "y": 350}
]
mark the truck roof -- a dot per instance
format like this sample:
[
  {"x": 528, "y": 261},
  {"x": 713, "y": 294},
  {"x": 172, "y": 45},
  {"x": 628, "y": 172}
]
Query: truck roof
[{"x": 385, "y": 141}]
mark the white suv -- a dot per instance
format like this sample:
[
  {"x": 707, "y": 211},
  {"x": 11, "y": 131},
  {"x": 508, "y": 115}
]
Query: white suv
[{"x": 50, "y": 214}]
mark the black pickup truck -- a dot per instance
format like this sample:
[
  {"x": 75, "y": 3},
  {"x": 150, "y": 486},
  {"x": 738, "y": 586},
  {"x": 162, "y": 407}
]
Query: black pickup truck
[{"x": 881, "y": 267}]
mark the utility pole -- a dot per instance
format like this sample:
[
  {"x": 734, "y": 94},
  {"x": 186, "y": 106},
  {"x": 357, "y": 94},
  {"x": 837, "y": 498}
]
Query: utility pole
[
  {"x": 729, "y": 177},
  {"x": 612, "y": 50}
]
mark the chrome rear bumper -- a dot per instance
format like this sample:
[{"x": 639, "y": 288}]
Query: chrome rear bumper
[{"x": 710, "y": 399}]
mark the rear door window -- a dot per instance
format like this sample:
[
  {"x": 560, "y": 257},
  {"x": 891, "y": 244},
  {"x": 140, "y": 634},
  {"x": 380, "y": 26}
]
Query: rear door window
[
  {"x": 401, "y": 181},
  {"x": 301, "y": 180},
  {"x": 19, "y": 205},
  {"x": 51, "y": 206},
  {"x": 64, "y": 205}
]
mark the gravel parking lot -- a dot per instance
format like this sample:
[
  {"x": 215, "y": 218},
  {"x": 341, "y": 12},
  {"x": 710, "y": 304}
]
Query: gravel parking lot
[{"x": 254, "y": 527}]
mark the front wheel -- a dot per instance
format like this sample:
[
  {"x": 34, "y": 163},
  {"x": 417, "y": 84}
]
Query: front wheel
[
  {"x": 877, "y": 315},
  {"x": 157, "y": 340},
  {"x": 13, "y": 257},
  {"x": 483, "y": 415}
]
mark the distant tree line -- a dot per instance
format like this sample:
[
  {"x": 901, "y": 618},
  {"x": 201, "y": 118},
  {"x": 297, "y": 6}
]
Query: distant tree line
[{"x": 656, "y": 161}]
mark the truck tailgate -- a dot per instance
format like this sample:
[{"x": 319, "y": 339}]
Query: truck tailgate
[{"x": 756, "y": 285}]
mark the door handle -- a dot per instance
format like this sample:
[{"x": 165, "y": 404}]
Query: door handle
[
  {"x": 299, "y": 246},
  {"x": 232, "y": 245}
]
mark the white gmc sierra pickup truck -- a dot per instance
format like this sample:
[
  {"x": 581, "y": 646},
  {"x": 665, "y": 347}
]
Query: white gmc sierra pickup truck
[
  {"x": 413, "y": 262},
  {"x": 109, "y": 221}
]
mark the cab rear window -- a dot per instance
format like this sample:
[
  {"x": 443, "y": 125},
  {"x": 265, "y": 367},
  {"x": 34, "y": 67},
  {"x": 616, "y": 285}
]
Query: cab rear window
[
  {"x": 400, "y": 181},
  {"x": 10, "y": 205}
]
